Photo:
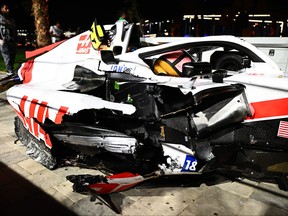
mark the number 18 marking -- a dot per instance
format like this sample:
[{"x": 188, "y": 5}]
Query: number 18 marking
[{"x": 189, "y": 164}]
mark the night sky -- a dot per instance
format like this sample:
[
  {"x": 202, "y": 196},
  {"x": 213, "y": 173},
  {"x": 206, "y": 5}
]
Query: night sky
[
  {"x": 82, "y": 13},
  {"x": 71, "y": 13}
]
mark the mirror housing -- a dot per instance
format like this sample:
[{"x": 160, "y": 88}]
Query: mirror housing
[
  {"x": 191, "y": 69},
  {"x": 107, "y": 56},
  {"x": 246, "y": 62}
]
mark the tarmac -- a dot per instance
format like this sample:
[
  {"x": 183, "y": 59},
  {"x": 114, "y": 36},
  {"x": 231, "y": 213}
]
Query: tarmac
[{"x": 28, "y": 188}]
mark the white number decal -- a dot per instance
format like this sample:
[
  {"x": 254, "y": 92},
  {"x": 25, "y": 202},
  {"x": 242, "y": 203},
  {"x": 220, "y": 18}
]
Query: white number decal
[{"x": 190, "y": 163}]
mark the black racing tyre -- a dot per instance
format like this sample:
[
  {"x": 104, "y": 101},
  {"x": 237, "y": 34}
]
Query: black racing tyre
[{"x": 231, "y": 62}]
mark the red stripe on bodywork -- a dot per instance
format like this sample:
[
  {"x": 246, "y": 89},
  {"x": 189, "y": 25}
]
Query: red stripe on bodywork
[
  {"x": 32, "y": 109},
  {"x": 42, "y": 50},
  {"x": 41, "y": 112},
  {"x": 62, "y": 111},
  {"x": 29, "y": 122},
  {"x": 47, "y": 137},
  {"x": 21, "y": 107},
  {"x": 271, "y": 108},
  {"x": 26, "y": 71},
  {"x": 48, "y": 141},
  {"x": 122, "y": 175},
  {"x": 108, "y": 187}
]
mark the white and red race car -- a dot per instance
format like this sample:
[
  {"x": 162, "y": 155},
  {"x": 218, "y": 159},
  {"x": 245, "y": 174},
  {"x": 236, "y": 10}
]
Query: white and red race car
[{"x": 156, "y": 111}]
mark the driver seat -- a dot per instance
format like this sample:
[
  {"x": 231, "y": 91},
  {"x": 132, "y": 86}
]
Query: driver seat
[{"x": 171, "y": 63}]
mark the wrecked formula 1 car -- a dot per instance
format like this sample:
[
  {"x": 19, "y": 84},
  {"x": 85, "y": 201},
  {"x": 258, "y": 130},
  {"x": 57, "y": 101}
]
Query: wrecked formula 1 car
[{"x": 157, "y": 111}]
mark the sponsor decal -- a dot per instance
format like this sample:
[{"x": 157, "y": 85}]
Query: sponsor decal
[
  {"x": 283, "y": 129},
  {"x": 84, "y": 44},
  {"x": 255, "y": 74},
  {"x": 190, "y": 164},
  {"x": 119, "y": 68}
]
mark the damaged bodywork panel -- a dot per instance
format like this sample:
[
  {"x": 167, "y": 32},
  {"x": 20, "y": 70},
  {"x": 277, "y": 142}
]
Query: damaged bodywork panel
[{"x": 157, "y": 111}]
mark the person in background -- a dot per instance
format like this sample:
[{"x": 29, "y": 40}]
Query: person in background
[
  {"x": 8, "y": 37},
  {"x": 56, "y": 32},
  {"x": 123, "y": 15}
]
